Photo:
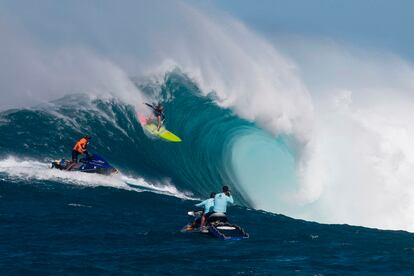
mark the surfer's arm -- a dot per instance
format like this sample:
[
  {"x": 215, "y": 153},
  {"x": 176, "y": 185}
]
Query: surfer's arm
[
  {"x": 150, "y": 105},
  {"x": 230, "y": 199}
]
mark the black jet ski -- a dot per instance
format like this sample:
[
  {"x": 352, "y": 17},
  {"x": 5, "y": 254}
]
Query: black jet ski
[
  {"x": 217, "y": 226},
  {"x": 90, "y": 164}
]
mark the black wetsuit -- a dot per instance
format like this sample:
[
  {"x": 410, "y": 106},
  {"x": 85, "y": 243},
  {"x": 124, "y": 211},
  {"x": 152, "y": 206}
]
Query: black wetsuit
[{"x": 157, "y": 112}]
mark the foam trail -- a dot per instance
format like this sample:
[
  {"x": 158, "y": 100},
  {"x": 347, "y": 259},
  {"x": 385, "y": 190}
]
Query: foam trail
[{"x": 32, "y": 169}]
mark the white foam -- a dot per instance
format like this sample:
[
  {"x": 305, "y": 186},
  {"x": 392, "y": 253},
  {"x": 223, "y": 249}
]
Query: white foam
[
  {"x": 164, "y": 187},
  {"x": 361, "y": 160},
  {"x": 246, "y": 73},
  {"x": 79, "y": 205},
  {"x": 221, "y": 54},
  {"x": 358, "y": 165},
  {"x": 28, "y": 170}
]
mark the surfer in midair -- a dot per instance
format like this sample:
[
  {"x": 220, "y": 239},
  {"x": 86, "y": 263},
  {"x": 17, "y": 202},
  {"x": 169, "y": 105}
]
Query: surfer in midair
[{"x": 158, "y": 112}]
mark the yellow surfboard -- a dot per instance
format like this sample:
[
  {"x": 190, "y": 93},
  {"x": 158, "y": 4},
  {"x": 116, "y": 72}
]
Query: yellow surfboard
[{"x": 162, "y": 133}]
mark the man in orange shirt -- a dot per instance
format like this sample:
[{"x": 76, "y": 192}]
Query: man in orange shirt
[{"x": 80, "y": 148}]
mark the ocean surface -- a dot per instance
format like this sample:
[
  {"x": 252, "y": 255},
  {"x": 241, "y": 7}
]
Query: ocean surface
[{"x": 55, "y": 222}]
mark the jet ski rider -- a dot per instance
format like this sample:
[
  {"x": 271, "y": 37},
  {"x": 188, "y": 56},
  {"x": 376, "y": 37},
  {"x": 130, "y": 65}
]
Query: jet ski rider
[
  {"x": 208, "y": 205},
  {"x": 221, "y": 200},
  {"x": 80, "y": 148},
  {"x": 158, "y": 112}
]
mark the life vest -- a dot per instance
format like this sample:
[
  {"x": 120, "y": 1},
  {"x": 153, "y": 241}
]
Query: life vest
[{"x": 80, "y": 146}]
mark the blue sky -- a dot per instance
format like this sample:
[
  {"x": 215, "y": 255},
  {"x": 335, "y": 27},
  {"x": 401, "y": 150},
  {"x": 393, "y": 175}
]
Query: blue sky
[{"x": 384, "y": 24}]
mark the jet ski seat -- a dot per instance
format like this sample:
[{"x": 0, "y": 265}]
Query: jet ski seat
[{"x": 214, "y": 217}]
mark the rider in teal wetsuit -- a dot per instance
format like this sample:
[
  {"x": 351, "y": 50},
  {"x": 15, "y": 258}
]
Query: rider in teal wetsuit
[
  {"x": 221, "y": 200},
  {"x": 208, "y": 205}
]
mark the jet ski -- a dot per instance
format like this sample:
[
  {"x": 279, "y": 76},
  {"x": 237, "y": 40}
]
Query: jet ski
[
  {"x": 217, "y": 226},
  {"x": 90, "y": 164}
]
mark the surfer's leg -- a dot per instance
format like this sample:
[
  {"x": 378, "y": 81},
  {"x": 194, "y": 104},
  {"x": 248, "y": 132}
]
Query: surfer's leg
[{"x": 204, "y": 218}]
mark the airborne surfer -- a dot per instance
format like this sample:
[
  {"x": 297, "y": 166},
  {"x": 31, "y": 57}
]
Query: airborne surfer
[
  {"x": 158, "y": 112},
  {"x": 152, "y": 124}
]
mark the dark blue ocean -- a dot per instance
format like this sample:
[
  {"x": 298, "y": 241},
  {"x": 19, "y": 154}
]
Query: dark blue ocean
[{"x": 54, "y": 222}]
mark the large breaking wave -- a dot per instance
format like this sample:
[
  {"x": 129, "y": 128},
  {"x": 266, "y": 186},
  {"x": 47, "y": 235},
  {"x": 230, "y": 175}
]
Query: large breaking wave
[
  {"x": 321, "y": 140},
  {"x": 202, "y": 163}
]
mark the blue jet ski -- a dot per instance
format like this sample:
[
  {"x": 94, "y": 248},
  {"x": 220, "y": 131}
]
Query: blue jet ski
[
  {"x": 90, "y": 164},
  {"x": 217, "y": 226}
]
